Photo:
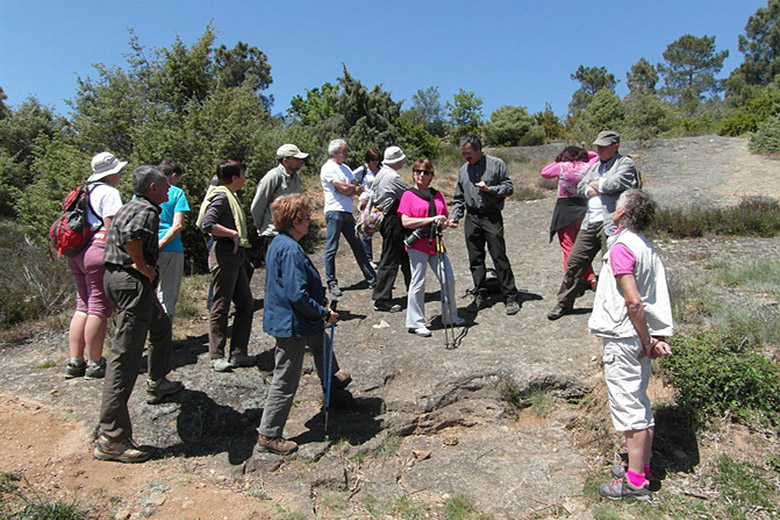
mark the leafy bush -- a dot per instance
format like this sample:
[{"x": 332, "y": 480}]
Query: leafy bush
[
  {"x": 716, "y": 372},
  {"x": 767, "y": 137},
  {"x": 753, "y": 216},
  {"x": 32, "y": 284}
]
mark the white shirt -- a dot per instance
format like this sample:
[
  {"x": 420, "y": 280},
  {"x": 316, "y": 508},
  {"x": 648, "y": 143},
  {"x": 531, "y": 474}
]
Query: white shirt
[
  {"x": 335, "y": 201},
  {"x": 105, "y": 200}
]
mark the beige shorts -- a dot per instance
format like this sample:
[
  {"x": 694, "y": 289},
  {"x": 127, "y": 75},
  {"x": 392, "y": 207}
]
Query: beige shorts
[{"x": 627, "y": 373}]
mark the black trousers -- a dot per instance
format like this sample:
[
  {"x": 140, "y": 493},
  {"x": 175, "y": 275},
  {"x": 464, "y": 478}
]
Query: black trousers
[
  {"x": 393, "y": 256},
  {"x": 488, "y": 229}
]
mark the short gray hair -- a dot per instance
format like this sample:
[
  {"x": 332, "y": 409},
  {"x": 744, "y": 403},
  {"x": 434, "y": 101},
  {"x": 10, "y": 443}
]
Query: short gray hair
[
  {"x": 143, "y": 178},
  {"x": 335, "y": 145},
  {"x": 639, "y": 209},
  {"x": 471, "y": 140}
]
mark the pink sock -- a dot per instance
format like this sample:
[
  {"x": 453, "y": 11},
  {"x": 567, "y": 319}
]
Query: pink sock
[
  {"x": 646, "y": 469},
  {"x": 635, "y": 479}
]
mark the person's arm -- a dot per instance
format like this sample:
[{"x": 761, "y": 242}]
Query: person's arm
[
  {"x": 551, "y": 171},
  {"x": 458, "y": 203},
  {"x": 173, "y": 231},
  {"x": 619, "y": 178},
  {"x": 654, "y": 347},
  {"x": 418, "y": 222},
  {"x": 346, "y": 188},
  {"x": 211, "y": 223},
  {"x": 501, "y": 185},
  {"x": 584, "y": 188},
  {"x": 135, "y": 249},
  {"x": 293, "y": 267},
  {"x": 265, "y": 190}
]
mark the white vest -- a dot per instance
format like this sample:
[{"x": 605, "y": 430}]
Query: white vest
[{"x": 610, "y": 315}]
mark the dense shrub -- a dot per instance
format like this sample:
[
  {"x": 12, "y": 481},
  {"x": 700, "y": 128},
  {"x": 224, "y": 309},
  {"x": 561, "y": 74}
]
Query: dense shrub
[
  {"x": 753, "y": 216},
  {"x": 766, "y": 139},
  {"x": 719, "y": 372},
  {"x": 32, "y": 284}
]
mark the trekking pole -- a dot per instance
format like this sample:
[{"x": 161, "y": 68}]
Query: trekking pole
[
  {"x": 327, "y": 365},
  {"x": 445, "y": 294}
]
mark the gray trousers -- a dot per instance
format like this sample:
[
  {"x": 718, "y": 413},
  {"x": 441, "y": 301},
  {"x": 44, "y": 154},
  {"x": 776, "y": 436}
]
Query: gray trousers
[
  {"x": 171, "y": 266},
  {"x": 415, "y": 300},
  {"x": 137, "y": 314},
  {"x": 231, "y": 283},
  {"x": 587, "y": 244},
  {"x": 288, "y": 356}
]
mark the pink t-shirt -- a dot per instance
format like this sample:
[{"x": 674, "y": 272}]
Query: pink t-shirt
[
  {"x": 413, "y": 206},
  {"x": 621, "y": 259}
]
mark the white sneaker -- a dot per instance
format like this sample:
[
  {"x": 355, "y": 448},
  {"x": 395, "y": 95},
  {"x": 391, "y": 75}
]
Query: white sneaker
[{"x": 422, "y": 331}]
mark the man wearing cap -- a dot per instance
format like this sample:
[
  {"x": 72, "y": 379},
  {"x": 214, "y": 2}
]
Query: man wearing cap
[
  {"x": 339, "y": 190},
  {"x": 483, "y": 184},
  {"x": 602, "y": 185},
  {"x": 388, "y": 188},
  {"x": 131, "y": 272},
  {"x": 281, "y": 180}
]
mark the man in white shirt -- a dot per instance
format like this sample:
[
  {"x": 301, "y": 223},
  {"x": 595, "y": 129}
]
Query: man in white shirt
[{"x": 337, "y": 184}]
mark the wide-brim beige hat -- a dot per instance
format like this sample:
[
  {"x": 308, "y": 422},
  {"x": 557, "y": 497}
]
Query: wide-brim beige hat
[
  {"x": 105, "y": 164},
  {"x": 393, "y": 155}
]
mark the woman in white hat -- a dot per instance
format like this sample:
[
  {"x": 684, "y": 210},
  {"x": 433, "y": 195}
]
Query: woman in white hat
[{"x": 88, "y": 325}]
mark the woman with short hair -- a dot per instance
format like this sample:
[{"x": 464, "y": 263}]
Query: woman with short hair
[
  {"x": 295, "y": 314},
  {"x": 222, "y": 216},
  {"x": 421, "y": 210},
  {"x": 632, "y": 314}
]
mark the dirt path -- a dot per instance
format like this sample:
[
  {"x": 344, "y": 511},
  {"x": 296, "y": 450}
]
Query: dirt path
[{"x": 413, "y": 396}]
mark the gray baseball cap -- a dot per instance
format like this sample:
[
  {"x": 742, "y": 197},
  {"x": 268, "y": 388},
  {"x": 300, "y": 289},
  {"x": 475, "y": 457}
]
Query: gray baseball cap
[{"x": 606, "y": 138}]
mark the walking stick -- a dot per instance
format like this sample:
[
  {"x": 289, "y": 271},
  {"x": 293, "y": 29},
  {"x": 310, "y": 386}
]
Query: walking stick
[
  {"x": 327, "y": 363},
  {"x": 445, "y": 293}
]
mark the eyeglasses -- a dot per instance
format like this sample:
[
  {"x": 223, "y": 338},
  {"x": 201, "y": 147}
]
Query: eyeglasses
[
  {"x": 422, "y": 172},
  {"x": 305, "y": 217}
]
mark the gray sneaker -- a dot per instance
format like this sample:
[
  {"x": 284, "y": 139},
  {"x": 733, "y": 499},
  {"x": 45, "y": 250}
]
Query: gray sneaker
[
  {"x": 119, "y": 451},
  {"x": 75, "y": 368},
  {"x": 621, "y": 488},
  {"x": 334, "y": 289},
  {"x": 96, "y": 369},
  {"x": 158, "y": 390},
  {"x": 221, "y": 365},
  {"x": 619, "y": 471},
  {"x": 512, "y": 307}
]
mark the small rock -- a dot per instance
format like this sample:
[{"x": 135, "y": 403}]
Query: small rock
[{"x": 381, "y": 325}]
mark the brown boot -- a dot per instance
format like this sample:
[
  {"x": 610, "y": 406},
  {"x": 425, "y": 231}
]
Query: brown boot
[{"x": 278, "y": 445}]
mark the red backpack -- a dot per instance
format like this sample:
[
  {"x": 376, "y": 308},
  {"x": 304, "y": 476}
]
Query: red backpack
[{"x": 70, "y": 234}]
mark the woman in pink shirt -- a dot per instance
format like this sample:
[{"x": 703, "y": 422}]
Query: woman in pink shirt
[{"x": 569, "y": 168}]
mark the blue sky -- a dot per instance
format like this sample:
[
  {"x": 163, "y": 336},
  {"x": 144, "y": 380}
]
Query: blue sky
[{"x": 507, "y": 52}]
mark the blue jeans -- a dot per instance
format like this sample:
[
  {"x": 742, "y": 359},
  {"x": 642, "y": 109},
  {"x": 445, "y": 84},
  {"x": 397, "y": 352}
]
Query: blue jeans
[{"x": 343, "y": 223}]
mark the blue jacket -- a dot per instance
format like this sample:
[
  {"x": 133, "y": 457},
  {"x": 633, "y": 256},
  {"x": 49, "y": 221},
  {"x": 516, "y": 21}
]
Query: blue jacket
[{"x": 294, "y": 296}]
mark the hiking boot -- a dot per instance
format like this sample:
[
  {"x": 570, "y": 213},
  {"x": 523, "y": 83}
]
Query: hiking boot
[
  {"x": 558, "y": 312},
  {"x": 243, "y": 360},
  {"x": 75, "y": 368},
  {"x": 158, "y": 390},
  {"x": 621, "y": 488},
  {"x": 278, "y": 445},
  {"x": 422, "y": 332},
  {"x": 512, "y": 307},
  {"x": 119, "y": 451},
  {"x": 341, "y": 379},
  {"x": 386, "y": 306},
  {"x": 96, "y": 369},
  {"x": 221, "y": 365},
  {"x": 333, "y": 288}
]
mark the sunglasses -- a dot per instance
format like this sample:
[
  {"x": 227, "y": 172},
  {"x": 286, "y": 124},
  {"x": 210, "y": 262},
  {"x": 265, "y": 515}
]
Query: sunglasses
[{"x": 422, "y": 172}]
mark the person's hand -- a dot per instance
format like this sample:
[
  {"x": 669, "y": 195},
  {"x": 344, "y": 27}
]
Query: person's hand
[
  {"x": 236, "y": 240},
  {"x": 452, "y": 223},
  {"x": 657, "y": 349},
  {"x": 333, "y": 317},
  {"x": 481, "y": 186},
  {"x": 147, "y": 271}
]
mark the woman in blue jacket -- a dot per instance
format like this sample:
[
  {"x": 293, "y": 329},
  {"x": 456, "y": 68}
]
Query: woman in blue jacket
[{"x": 295, "y": 314}]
